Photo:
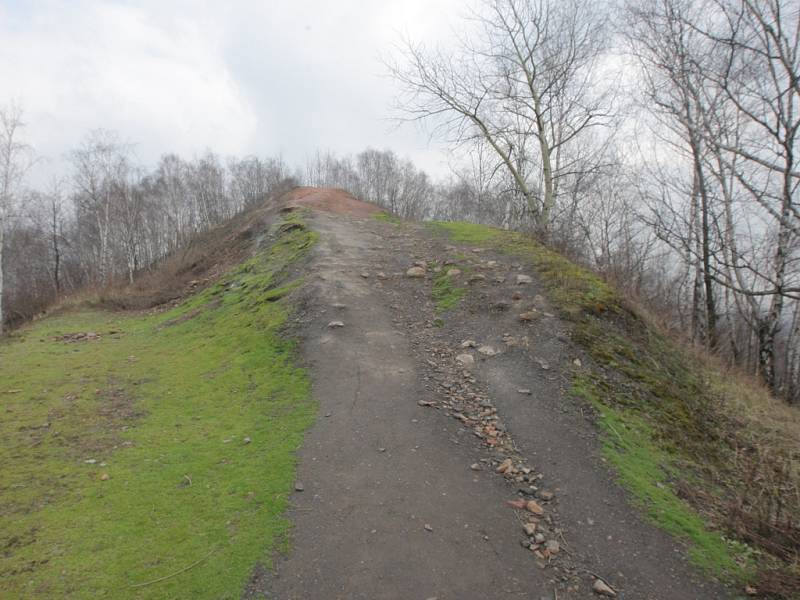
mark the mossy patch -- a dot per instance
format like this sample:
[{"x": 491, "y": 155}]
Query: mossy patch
[
  {"x": 446, "y": 292},
  {"x": 155, "y": 461},
  {"x": 387, "y": 217},
  {"x": 467, "y": 233}
]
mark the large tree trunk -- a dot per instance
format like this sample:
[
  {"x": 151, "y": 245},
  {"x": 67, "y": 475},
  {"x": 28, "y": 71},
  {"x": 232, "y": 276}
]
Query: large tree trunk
[{"x": 701, "y": 190}]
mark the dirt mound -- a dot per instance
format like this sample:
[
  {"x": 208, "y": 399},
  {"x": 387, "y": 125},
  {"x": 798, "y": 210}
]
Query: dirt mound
[
  {"x": 330, "y": 200},
  {"x": 213, "y": 252}
]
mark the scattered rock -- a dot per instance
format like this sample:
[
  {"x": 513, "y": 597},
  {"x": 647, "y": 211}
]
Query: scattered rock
[
  {"x": 475, "y": 467},
  {"x": 530, "y": 528},
  {"x": 247, "y": 440},
  {"x": 533, "y": 507},
  {"x": 335, "y": 324},
  {"x": 415, "y": 272},
  {"x": 750, "y": 590},
  {"x": 539, "y": 538},
  {"x": 105, "y": 477},
  {"x": 552, "y": 546},
  {"x": 545, "y": 495},
  {"x": 90, "y": 461},
  {"x": 487, "y": 350},
  {"x": 518, "y": 503},
  {"x": 465, "y": 359},
  {"x": 528, "y": 316},
  {"x": 475, "y": 278},
  {"x": 523, "y": 279},
  {"x": 524, "y": 391},
  {"x": 504, "y": 466},
  {"x": 539, "y": 302},
  {"x": 77, "y": 337},
  {"x": 602, "y": 588},
  {"x": 577, "y": 362},
  {"x": 501, "y": 305},
  {"x": 382, "y": 275},
  {"x": 428, "y": 527},
  {"x": 469, "y": 344},
  {"x": 365, "y": 275},
  {"x": 516, "y": 296},
  {"x": 298, "y": 486},
  {"x": 420, "y": 263},
  {"x": 453, "y": 272},
  {"x": 381, "y": 450},
  {"x": 425, "y": 403},
  {"x": 338, "y": 305}
]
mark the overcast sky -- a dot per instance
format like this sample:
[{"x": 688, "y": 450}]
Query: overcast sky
[{"x": 238, "y": 77}]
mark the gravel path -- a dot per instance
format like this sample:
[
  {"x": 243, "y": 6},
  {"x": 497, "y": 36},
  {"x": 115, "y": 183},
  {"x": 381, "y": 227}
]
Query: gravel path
[{"x": 399, "y": 491}]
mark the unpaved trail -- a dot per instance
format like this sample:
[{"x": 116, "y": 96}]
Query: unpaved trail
[{"x": 391, "y": 506}]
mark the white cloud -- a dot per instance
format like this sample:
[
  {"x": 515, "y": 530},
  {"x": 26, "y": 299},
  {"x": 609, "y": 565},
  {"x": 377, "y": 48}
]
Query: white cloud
[{"x": 236, "y": 77}]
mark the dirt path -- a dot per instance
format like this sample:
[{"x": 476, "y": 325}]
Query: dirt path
[{"x": 400, "y": 499}]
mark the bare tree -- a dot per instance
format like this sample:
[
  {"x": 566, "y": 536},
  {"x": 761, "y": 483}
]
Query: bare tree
[
  {"x": 522, "y": 83},
  {"x": 760, "y": 77},
  {"x": 675, "y": 62},
  {"x": 15, "y": 159},
  {"x": 721, "y": 78},
  {"x": 54, "y": 207},
  {"x": 98, "y": 165}
]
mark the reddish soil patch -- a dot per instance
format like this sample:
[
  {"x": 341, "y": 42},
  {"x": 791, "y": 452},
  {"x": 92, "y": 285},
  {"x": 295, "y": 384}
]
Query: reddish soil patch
[{"x": 330, "y": 200}]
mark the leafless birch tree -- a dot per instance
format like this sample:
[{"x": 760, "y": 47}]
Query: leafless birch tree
[{"x": 522, "y": 82}]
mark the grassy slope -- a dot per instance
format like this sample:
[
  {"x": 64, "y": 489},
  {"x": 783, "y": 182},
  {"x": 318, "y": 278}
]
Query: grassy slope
[
  {"x": 163, "y": 406},
  {"x": 672, "y": 424}
]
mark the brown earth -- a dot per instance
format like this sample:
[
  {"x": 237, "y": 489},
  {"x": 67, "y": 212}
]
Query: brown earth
[{"x": 330, "y": 200}]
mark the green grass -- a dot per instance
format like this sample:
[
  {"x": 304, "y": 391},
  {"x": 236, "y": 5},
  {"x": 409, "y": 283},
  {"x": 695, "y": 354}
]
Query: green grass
[
  {"x": 468, "y": 233},
  {"x": 387, "y": 217},
  {"x": 648, "y": 471},
  {"x": 446, "y": 294},
  {"x": 163, "y": 403},
  {"x": 657, "y": 410}
]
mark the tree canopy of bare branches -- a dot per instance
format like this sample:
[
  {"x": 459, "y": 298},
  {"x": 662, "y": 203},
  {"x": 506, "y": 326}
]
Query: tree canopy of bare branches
[{"x": 522, "y": 83}]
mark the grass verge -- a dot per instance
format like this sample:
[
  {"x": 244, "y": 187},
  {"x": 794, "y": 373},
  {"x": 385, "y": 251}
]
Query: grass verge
[
  {"x": 154, "y": 459},
  {"x": 710, "y": 457},
  {"x": 387, "y": 217}
]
